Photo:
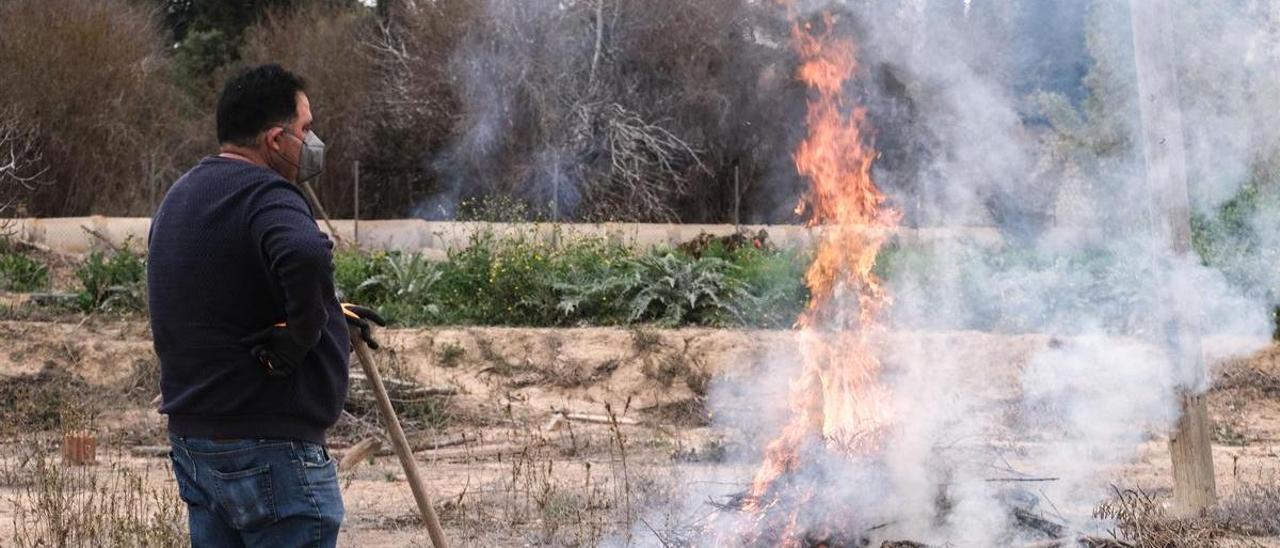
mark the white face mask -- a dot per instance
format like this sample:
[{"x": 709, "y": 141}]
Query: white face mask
[{"x": 311, "y": 159}]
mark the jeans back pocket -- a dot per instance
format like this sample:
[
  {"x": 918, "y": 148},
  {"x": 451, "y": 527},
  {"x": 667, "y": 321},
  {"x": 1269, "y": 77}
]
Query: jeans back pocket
[{"x": 245, "y": 497}]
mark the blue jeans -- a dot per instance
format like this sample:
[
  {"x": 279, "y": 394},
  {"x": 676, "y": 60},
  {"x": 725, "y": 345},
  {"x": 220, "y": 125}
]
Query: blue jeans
[{"x": 257, "y": 492}]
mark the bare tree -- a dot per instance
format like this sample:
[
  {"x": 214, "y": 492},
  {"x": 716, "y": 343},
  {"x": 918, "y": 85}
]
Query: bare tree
[
  {"x": 21, "y": 168},
  {"x": 412, "y": 106},
  {"x": 93, "y": 76}
]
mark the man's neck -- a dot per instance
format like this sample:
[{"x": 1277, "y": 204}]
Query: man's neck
[{"x": 243, "y": 154}]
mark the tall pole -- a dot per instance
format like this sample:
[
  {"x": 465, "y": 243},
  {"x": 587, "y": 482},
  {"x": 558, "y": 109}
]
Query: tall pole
[
  {"x": 1194, "y": 487},
  {"x": 319, "y": 209},
  {"x": 737, "y": 200},
  {"x": 355, "y": 210},
  {"x": 555, "y": 204}
]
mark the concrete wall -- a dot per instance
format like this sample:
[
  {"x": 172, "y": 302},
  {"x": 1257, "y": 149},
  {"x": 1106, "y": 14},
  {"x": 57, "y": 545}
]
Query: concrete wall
[{"x": 72, "y": 234}]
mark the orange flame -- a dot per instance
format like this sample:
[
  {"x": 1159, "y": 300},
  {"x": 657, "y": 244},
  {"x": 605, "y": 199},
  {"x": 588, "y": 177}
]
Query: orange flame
[{"x": 838, "y": 399}]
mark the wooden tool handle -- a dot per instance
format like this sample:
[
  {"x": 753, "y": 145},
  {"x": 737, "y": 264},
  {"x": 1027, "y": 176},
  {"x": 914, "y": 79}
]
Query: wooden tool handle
[{"x": 398, "y": 441}]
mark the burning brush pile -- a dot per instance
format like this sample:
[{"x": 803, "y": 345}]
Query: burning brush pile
[
  {"x": 839, "y": 406},
  {"x": 812, "y": 488}
]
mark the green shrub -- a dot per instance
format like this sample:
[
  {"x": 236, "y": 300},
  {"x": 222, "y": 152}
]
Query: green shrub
[
  {"x": 775, "y": 278},
  {"x": 585, "y": 263},
  {"x": 667, "y": 288},
  {"x": 496, "y": 208},
  {"x": 402, "y": 288},
  {"x": 519, "y": 280},
  {"x": 113, "y": 282},
  {"x": 351, "y": 269},
  {"x": 1229, "y": 241},
  {"x": 506, "y": 281},
  {"x": 22, "y": 273}
]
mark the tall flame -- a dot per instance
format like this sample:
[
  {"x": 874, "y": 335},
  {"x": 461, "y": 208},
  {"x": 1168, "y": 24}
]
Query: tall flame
[{"x": 838, "y": 399}]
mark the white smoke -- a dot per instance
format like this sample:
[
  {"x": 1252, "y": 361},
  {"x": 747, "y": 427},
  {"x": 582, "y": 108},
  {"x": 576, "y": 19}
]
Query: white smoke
[{"x": 1082, "y": 286}]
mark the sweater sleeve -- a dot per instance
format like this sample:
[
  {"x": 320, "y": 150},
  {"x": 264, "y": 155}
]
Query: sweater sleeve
[{"x": 298, "y": 255}]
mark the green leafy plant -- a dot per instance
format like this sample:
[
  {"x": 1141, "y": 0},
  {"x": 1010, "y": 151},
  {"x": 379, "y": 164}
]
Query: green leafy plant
[
  {"x": 351, "y": 269},
  {"x": 1228, "y": 240},
  {"x": 402, "y": 288},
  {"x": 21, "y": 273},
  {"x": 669, "y": 289},
  {"x": 520, "y": 279},
  {"x": 496, "y": 208},
  {"x": 775, "y": 278},
  {"x": 112, "y": 282}
]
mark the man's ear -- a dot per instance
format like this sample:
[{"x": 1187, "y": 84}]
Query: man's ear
[{"x": 271, "y": 138}]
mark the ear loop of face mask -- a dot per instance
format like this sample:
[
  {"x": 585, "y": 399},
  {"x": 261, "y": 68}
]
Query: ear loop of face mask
[{"x": 297, "y": 166}]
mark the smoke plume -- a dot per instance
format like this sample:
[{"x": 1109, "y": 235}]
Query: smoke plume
[{"x": 1053, "y": 354}]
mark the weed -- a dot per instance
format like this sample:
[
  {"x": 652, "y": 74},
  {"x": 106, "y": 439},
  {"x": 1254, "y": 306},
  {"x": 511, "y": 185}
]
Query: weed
[
  {"x": 498, "y": 208},
  {"x": 403, "y": 288},
  {"x": 142, "y": 382},
  {"x": 565, "y": 373},
  {"x": 451, "y": 355},
  {"x": 353, "y": 268},
  {"x": 711, "y": 450},
  {"x": 698, "y": 379},
  {"x": 66, "y": 505},
  {"x": 621, "y": 472},
  {"x": 1254, "y": 509},
  {"x": 644, "y": 341},
  {"x": 664, "y": 369},
  {"x": 689, "y": 412},
  {"x": 1275, "y": 323},
  {"x": 775, "y": 280},
  {"x": 498, "y": 363},
  {"x": 22, "y": 273},
  {"x": 416, "y": 410},
  {"x": 1141, "y": 521},
  {"x": 1226, "y": 434},
  {"x": 40, "y": 402},
  {"x": 114, "y": 282},
  {"x": 667, "y": 288}
]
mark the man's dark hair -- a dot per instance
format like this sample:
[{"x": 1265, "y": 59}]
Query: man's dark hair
[{"x": 256, "y": 99}]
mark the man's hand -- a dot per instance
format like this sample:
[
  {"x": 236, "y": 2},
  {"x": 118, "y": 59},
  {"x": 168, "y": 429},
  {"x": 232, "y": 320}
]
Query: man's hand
[
  {"x": 359, "y": 317},
  {"x": 276, "y": 349}
]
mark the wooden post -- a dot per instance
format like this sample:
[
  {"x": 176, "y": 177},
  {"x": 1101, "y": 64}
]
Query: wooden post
[
  {"x": 310, "y": 193},
  {"x": 1190, "y": 446},
  {"x": 737, "y": 200},
  {"x": 355, "y": 211},
  {"x": 555, "y": 204}
]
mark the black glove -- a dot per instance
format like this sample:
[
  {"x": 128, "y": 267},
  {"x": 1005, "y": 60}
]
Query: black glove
[
  {"x": 359, "y": 317},
  {"x": 276, "y": 349}
]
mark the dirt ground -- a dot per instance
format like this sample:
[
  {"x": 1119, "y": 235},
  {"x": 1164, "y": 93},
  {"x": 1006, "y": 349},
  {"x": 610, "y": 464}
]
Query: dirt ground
[{"x": 553, "y": 436}]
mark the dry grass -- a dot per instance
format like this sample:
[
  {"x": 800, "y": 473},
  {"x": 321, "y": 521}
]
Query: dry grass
[
  {"x": 573, "y": 485},
  {"x": 111, "y": 505},
  {"x": 1254, "y": 509},
  {"x": 41, "y": 401},
  {"x": 418, "y": 413},
  {"x": 57, "y": 504},
  {"x": 1141, "y": 521},
  {"x": 1243, "y": 376},
  {"x": 645, "y": 341},
  {"x": 451, "y": 355}
]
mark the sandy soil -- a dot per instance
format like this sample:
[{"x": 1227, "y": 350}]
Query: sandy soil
[{"x": 527, "y": 476}]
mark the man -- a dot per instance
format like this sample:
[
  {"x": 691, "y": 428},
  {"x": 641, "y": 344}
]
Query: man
[{"x": 253, "y": 344}]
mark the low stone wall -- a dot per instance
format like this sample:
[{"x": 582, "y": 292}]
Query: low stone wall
[{"x": 84, "y": 234}]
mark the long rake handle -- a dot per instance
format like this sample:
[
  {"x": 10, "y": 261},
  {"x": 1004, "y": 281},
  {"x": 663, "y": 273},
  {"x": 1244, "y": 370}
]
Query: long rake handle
[{"x": 398, "y": 441}]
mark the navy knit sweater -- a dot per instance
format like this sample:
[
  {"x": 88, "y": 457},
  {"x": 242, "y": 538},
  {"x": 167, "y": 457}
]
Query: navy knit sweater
[{"x": 234, "y": 249}]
